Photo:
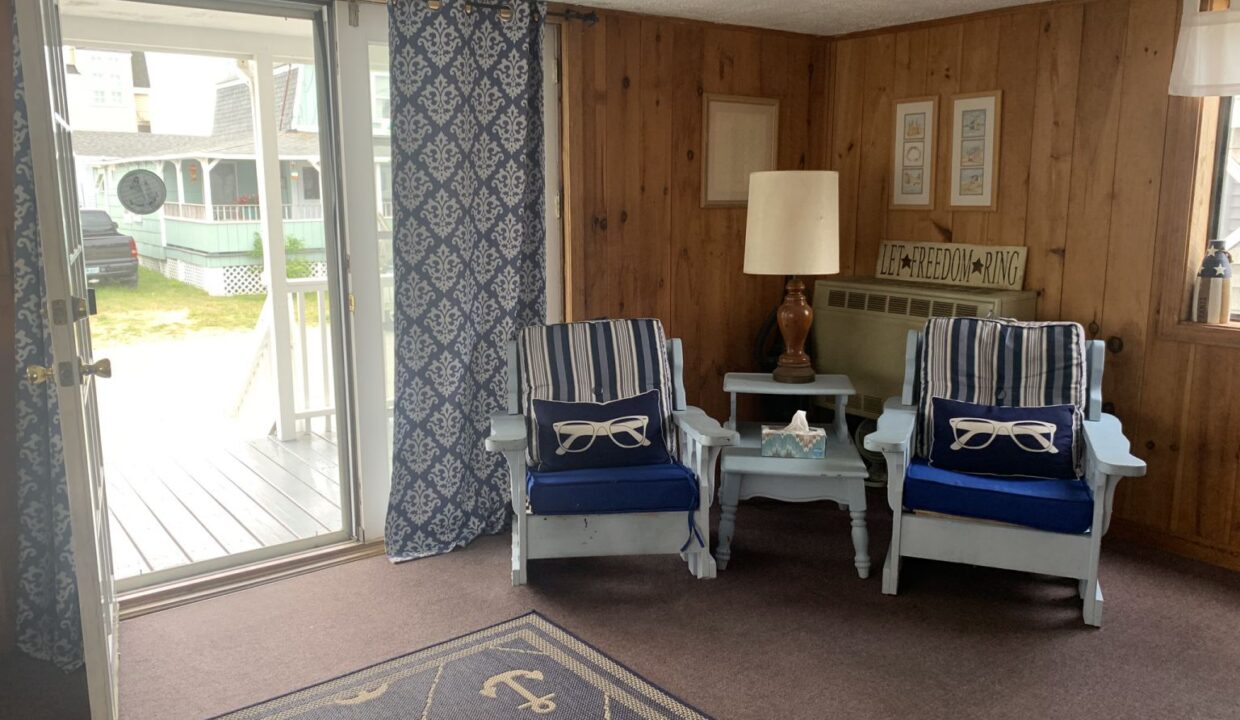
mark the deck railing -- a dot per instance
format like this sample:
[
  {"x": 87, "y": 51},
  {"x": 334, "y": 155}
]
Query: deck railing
[
  {"x": 303, "y": 212},
  {"x": 239, "y": 212},
  {"x": 314, "y": 395},
  {"x": 186, "y": 211}
]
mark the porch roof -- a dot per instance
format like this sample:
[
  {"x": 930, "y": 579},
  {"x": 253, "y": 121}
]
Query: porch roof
[{"x": 112, "y": 147}]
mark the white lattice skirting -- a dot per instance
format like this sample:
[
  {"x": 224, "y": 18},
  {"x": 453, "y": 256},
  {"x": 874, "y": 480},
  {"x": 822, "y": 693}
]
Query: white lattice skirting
[{"x": 220, "y": 281}]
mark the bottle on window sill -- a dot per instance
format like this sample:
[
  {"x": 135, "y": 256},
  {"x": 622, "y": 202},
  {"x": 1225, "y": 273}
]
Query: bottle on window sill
[{"x": 1212, "y": 291}]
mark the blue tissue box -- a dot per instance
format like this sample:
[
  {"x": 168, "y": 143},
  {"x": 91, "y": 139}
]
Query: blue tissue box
[{"x": 777, "y": 442}]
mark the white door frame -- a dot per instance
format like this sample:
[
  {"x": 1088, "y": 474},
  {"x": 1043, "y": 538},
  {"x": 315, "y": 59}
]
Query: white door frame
[
  {"x": 359, "y": 209},
  {"x": 553, "y": 114},
  {"x": 65, "y": 277}
]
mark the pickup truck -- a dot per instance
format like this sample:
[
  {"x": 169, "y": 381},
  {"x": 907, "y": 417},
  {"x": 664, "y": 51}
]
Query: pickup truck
[{"x": 110, "y": 255}]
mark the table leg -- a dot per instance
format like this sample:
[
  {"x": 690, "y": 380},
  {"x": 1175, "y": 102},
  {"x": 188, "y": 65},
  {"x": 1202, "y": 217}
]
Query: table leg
[
  {"x": 729, "y": 492},
  {"x": 861, "y": 543}
]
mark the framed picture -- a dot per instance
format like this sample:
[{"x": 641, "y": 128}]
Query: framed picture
[
  {"x": 740, "y": 135},
  {"x": 912, "y": 159},
  {"x": 975, "y": 150}
]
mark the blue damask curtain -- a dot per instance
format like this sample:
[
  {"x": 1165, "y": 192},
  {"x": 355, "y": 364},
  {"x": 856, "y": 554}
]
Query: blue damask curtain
[
  {"x": 48, "y": 624},
  {"x": 467, "y": 163}
]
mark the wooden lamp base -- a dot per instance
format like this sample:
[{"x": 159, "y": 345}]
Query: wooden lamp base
[{"x": 795, "y": 317}]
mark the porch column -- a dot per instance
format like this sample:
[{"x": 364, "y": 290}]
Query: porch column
[
  {"x": 275, "y": 271},
  {"x": 208, "y": 213},
  {"x": 180, "y": 183}
]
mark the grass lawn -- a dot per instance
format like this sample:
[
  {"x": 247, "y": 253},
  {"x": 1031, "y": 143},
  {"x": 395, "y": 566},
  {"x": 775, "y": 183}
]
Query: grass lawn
[{"x": 163, "y": 308}]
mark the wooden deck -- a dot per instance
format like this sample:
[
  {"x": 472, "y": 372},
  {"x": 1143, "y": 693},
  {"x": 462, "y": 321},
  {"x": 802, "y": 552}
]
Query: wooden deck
[{"x": 169, "y": 507}]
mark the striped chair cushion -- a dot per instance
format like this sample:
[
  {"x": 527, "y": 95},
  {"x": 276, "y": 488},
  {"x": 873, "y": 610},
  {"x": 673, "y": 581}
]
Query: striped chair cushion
[
  {"x": 1001, "y": 362},
  {"x": 595, "y": 361}
]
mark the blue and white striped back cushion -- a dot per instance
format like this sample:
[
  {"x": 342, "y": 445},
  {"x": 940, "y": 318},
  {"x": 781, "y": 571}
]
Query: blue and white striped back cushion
[
  {"x": 1001, "y": 362},
  {"x": 595, "y": 361}
]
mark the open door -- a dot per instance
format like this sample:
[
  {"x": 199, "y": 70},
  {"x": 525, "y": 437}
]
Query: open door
[{"x": 74, "y": 369}]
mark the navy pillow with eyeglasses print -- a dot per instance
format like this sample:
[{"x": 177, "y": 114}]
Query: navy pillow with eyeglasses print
[
  {"x": 579, "y": 435},
  {"x": 1028, "y": 442}
]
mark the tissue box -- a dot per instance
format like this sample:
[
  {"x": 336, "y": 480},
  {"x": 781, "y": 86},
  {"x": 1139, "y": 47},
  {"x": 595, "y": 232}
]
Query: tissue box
[{"x": 778, "y": 442}]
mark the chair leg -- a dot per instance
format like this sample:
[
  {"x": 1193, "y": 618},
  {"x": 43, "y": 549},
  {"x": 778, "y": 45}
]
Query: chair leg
[
  {"x": 702, "y": 564},
  {"x": 891, "y": 571},
  {"x": 1092, "y": 609},
  {"x": 519, "y": 563}
]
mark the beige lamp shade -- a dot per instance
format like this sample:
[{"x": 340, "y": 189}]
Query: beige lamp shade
[{"x": 794, "y": 225}]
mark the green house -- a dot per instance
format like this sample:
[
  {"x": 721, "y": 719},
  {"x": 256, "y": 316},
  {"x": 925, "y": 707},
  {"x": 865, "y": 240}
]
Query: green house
[{"x": 205, "y": 234}]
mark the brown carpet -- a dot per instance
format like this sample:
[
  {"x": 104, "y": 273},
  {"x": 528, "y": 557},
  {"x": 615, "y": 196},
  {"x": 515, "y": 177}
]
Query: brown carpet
[{"x": 788, "y": 631}]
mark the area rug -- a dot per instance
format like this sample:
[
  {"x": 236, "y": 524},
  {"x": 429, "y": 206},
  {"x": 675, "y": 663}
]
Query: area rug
[{"x": 526, "y": 667}]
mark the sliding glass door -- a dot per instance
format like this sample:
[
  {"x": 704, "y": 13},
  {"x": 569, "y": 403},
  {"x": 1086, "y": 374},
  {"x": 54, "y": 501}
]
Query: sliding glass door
[{"x": 227, "y": 428}]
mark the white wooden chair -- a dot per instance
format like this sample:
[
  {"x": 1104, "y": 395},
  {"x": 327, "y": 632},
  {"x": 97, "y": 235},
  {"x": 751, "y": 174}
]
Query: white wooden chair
[
  {"x": 980, "y": 542},
  {"x": 699, "y": 438}
]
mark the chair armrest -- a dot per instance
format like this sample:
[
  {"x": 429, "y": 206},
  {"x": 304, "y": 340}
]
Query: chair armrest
[
  {"x": 1107, "y": 448},
  {"x": 507, "y": 433},
  {"x": 702, "y": 428},
  {"x": 895, "y": 428}
]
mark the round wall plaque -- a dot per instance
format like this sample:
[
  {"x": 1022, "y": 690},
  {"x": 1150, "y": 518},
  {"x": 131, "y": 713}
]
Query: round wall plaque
[{"x": 141, "y": 192}]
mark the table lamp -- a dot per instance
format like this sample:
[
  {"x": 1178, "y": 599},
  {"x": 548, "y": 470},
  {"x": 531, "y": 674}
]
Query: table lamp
[{"x": 793, "y": 229}]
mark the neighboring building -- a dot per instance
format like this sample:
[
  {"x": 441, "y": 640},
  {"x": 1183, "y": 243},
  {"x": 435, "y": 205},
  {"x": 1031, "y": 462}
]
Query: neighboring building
[{"x": 206, "y": 233}]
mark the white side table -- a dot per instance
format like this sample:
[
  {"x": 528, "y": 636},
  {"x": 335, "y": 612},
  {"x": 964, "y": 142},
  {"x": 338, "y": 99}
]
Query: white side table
[{"x": 839, "y": 476}]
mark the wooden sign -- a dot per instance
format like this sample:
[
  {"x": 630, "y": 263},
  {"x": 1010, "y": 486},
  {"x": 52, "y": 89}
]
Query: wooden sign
[{"x": 989, "y": 266}]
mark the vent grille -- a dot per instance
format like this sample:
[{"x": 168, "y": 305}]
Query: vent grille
[{"x": 901, "y": 304}]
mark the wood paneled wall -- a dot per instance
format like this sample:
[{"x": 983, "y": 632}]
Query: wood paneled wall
[
  {"x": 1096, "y": 161},
  {"x": 1096, "y": 169},
  {"x": 640, "y": 244}
]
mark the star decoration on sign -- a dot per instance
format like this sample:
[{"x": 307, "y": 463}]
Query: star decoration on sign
[
  {"x": 977, "y": 266},
  {"x": 906, "y": 262}
]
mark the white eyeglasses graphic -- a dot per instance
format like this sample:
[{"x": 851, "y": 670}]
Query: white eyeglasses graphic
[
  {"x": 1029, "y": 435},
  {"x": 577, "y": 436}
]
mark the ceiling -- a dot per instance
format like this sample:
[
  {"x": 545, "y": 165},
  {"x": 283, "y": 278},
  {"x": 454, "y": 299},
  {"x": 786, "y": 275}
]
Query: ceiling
[
  {"x": 815, "y": 17},
  {"x": 125, "y": 11}
]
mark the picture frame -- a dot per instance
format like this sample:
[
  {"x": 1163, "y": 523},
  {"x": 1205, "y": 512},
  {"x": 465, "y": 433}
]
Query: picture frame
[
  {"x": 915, "y": 148},
  {"x": 976, "y": 124},
  {"x": 740, "y": 135}
]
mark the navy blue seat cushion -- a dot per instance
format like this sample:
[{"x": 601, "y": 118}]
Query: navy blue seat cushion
[
  {"x": 1004, "y": 441},
  {"x": 579, "y": 435},
  {"x": 664, "y": 487},
  {"x": 1064, "y": 506}
]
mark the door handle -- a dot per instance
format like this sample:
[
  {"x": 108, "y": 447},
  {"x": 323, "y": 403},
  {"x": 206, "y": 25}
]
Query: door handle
[
  {"x": 37, "y": 374},
  {"x": 100, "y": 368}
]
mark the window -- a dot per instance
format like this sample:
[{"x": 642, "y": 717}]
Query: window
[
  {"x": 380, "y": 103},
  {"x": 309, "y": 183},
  {"x": 1225, "y": 193}
]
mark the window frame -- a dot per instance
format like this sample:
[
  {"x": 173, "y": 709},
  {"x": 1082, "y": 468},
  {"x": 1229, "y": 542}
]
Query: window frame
[
  {"x": 1227, "y": 109},
  {"x": 1186, "y": 211}
]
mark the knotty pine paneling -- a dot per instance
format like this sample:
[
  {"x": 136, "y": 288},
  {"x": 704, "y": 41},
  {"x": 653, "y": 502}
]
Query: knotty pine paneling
[
  {"x": 1089, "y": 139},
  {"x": 642, "y": 244}
]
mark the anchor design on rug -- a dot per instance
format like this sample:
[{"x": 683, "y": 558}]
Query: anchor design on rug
[
  {"x": 541, "y": 705},
  {"x": 363, "y": 696}
]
